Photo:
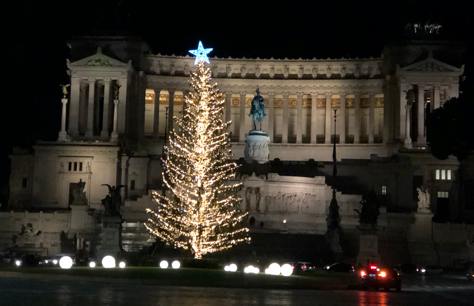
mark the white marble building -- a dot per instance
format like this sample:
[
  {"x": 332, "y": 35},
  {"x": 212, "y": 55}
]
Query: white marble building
[{"x": 123, "y": 98}]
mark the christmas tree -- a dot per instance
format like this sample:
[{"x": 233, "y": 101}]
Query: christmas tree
[{"x": 200, "y": 210}]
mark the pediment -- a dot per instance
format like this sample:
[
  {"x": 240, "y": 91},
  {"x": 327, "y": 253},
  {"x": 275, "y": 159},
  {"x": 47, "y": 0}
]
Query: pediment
[
  {"x": 430, "y": 65},
  {"x": 99, "y": 60}
]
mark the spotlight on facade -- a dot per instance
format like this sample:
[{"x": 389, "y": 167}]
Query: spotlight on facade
[
  {"x": 284, "y": 221},
  {"x": 108, "y": 262},
  {"x": 122, "y": 265},
  {"x": 251, "y": 269},
  {"x": 65, "y": 262},
  {"x": 273, "y": 269},
  {"x": 175, "y": 264},
  {"x": 55, "y": 261},
  {"x": 164, "y": 264},
  {"x": 18, "y": 263},
  {"x": 46, "y": 261},
  {"x": 286, "y": 270},
  {"x": 92, "y": 264}
]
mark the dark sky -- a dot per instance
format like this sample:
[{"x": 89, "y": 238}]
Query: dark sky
[{"x": 36, "y": 35}]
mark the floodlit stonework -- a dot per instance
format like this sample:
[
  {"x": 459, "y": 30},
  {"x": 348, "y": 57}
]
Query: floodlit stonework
[{"x": 121, "y": 104}]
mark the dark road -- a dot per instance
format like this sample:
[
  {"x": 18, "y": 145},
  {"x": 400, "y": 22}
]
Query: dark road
[{"x": 62, "y": 290}]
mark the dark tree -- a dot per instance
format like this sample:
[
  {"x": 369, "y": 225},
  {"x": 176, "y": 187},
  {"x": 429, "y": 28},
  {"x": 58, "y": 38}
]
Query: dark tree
[{"x": 451, "y": 129}]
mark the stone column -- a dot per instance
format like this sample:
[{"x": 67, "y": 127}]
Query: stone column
[
  {"x": 436, "y": 97},
  {"x": 371, "y": 118},
  {"x": 314, "y": 131},
  {"x": 284, "y": 133},
  {"x": 90, "y": 109},
  {"x": 114, "y": 136},
  {"x": 122, "y": 113},
  {"x": 357, "y": 118},
  {"x": 343, "y": 119},
  {"x": 299, "y": 117},
  {"x": 407, "y": 142},
  {"x": 453, "y": 90},
  {"x": 327, "y": 126},
  {"x": 421, "y": 140},
  {"x": 170, "y": 110},
  {"x": 74, "y": 107},
  {"x": 156, "y": 114},
  {"x": 228, "y": 107},
  {"x": 105, "y": 116},
  {"x": 63, "y": 134},
  {"x": 271, "y": 115},
  {"x": 242, "y": 126}
]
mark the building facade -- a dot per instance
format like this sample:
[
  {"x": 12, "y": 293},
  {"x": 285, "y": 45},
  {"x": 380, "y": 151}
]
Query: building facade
[{"x": 122, "y": 101}]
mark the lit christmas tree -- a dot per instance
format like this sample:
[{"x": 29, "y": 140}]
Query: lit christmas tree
[{"x": 200, "y": 209}]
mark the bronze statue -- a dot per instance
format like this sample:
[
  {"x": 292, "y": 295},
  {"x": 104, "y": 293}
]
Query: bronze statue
[
  {"x": 112, "y": 201},
  {"x": 257, "y": 112}
]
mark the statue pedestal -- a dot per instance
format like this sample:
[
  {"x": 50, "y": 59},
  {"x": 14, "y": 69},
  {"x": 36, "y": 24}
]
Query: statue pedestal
[
  {"x": 368, "y": 246},
  {"x": 256, "y": 147},
  {"x": 420, "y": 239},
  {"x": 109, "y": 237}
]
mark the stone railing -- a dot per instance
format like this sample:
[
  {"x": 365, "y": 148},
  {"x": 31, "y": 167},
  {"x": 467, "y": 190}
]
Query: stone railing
[{"x": 269, "y": 68}]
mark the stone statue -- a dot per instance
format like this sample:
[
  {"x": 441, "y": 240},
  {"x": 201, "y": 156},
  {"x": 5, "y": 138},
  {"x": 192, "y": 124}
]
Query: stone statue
[
  {"x": 78, "y": 194},
  {"x": 423, "y": 199},
  {"x": 257, "y": 111},
  {"x": 112, "y": 201},
  {"x": 27, "y": 235},
  {"x": 65, "y": 91}
]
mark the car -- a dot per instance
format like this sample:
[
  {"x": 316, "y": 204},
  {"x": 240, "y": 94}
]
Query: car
[
  {"x": 303, "y": 266},
  {"x": 429, "y": 269},
  {"x": 470, "y": 273},
  {"x": 375, "y": 276},
  {"x": 340, "y": 267}
]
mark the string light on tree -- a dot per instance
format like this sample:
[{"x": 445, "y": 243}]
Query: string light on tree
[{"x": 200, "y": 210}]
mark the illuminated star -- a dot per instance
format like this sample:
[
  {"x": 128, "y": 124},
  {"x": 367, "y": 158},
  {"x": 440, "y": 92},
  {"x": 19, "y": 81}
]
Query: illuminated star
[{"x": 201, "y": 54}]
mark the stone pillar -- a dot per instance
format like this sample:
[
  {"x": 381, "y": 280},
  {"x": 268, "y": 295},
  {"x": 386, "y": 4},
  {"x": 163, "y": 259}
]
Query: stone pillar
[
  {"x": 299, "y": 117},
  {"x": 271, "y": 115},
  {"x": 122, "y": 113},
  {"x": 170, "y": 110},
  {"x": 156, "y": 114},
  {"x": 74, "y": 107},
  {"x": 228, "y": 107},
  {"x": 105, "y": 118},
  {"x": 343, "y": 119},
  {"x": 421, "y": 140},
  {"x": 314, "y": 131},
  {"x": 242, "y": 126},
  {"x": 327, "y": 126},
  {"x": 453, "y": 90},
  {"x": 90, "y": 109},
  {"x": 284, "y": 133},
  {"x": 357, "y": 118},
  {"x": 407, "y": 142},
  {"x": 114, "y": 136},
  {"x": 436, "y": 97},
  {"x": 63, "y": 134},
  {"x": 371, "y": 118}
]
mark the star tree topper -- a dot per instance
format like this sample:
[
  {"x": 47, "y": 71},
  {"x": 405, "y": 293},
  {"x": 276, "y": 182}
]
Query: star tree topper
[{"x": 201, "y": 53}]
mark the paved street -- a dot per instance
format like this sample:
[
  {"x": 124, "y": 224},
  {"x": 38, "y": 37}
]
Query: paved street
[{"x": 24, "y": 289}]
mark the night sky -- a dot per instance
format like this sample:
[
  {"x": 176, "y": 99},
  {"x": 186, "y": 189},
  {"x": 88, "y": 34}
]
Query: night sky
[{"x": 36, "y": 36}]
